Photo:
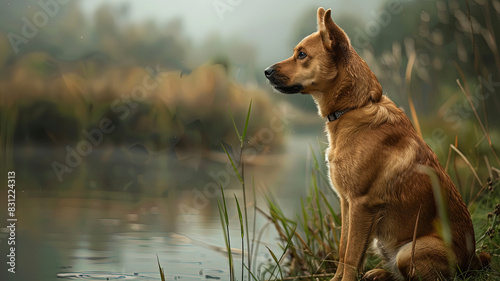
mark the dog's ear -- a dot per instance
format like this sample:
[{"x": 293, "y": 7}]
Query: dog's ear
[
  {"x": 321, "y": 16},
  {"x": 325, "y": 37},
  {"x": 331, "y": 34}
]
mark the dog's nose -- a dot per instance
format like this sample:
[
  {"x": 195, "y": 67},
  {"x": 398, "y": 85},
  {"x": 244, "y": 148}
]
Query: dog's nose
[{"x": 269, "y": 71}]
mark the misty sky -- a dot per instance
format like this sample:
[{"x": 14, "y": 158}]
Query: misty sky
[{"x": 266, "y": 24}]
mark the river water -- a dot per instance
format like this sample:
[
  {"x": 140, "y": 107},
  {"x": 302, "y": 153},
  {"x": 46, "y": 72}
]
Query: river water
[{"x": 96, "y": 235}]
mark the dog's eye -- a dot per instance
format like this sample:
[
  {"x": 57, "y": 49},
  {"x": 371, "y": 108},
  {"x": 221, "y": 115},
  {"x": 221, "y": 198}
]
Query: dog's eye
[{"x": 301, "y": 55}]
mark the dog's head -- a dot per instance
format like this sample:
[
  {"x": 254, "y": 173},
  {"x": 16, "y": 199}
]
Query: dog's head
[
  {"x": 314, "y": 60},
  {"x": 325, "y": 65}
]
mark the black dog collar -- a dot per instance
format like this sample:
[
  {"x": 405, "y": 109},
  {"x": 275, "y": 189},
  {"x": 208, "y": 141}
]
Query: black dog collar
[{"x": 336, "y": 115}]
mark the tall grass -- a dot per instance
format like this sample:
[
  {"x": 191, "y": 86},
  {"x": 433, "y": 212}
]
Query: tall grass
[
  {"x": 309, "y": 244},
  {"x": 225, "y": 227},
  {"x": 223, "y": 211},
  {"x": 267, "y": 272}
]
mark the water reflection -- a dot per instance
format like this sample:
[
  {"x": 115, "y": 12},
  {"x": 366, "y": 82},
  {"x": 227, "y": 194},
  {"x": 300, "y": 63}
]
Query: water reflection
[
  {"x": 85, "y": 232},
  {"x": 107, "y": 239}
]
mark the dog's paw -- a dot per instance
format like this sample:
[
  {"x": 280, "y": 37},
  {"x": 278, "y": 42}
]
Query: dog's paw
[{"x": 378, "y": 274}]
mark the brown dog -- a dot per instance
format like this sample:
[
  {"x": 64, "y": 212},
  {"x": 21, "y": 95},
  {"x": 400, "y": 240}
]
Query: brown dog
[{"x": 379, "y": 166}]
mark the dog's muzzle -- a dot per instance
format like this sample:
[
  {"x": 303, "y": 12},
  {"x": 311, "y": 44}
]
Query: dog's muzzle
[{"x": 278, "y": 82}]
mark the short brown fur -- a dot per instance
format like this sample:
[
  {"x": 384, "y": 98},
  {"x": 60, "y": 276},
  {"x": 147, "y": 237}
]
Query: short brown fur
[{"x": 375, "y": 162}]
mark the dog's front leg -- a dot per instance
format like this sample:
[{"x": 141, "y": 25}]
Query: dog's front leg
[
  {"x": 344, "y": 212},
  {"x": 362, "y": 216}
]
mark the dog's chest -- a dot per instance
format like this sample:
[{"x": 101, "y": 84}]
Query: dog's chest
[
  {"x": 332, "y": 175},
  {"x": 349, "y": 167},
  {"x": 338, "y": 169}
]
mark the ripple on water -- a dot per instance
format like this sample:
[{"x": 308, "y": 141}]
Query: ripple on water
[
  {"x": 96, "y": 275},
  {"x": 204, "y": 274}
]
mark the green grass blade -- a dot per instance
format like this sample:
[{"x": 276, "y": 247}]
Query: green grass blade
[
  {"x": 271, "y": 274},
  {"x": 234, "y": 123},
  {"x": 251, "y": 274},
  {"x": 318, "y": 206},
  {"x": 290, "y": 237},
  {"x": 440, "y": 202},
  {"x": 246, "y": 124},
  {"x": 225, "y": 228},
  {"x": 225, "y": 207},
  {"x": 232, "y": 163},
  {"x": 316, "y": 164},
  {"x": 336, "y": 218},
  {"x": 245, "y": 209},
  {"x": 253, "y": 255},
  {"x": 162, "y": 273},
  {"x": 305, "y": 218},
  {"x": 223, "y": 222},
  {"x": 278, "y": 216},
  {"x": 277, "y": 263},
  {"x": 240, "y": 216}
]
